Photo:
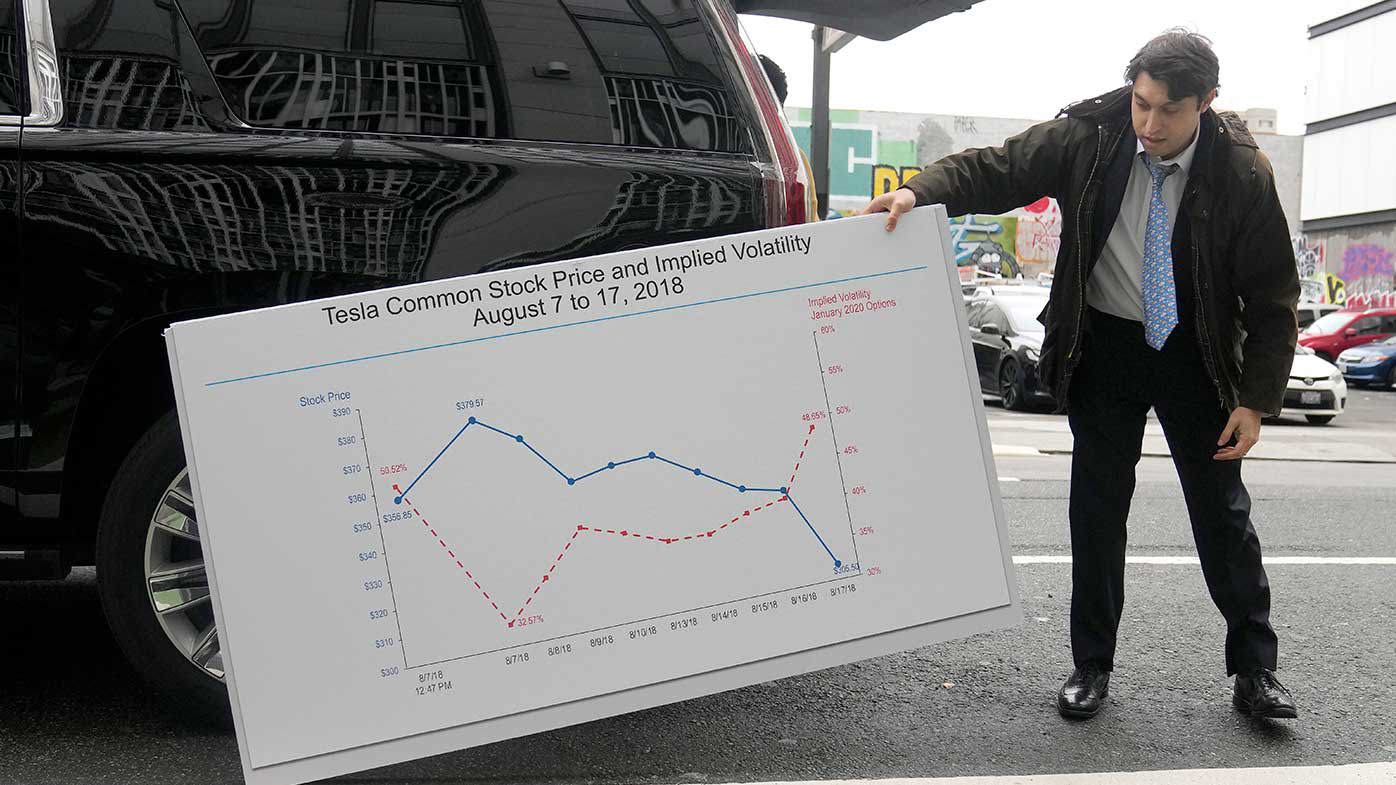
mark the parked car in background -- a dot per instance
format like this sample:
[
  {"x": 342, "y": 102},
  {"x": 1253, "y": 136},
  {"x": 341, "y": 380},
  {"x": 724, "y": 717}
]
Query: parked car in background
[
  {"x": 1339, "y": 331},
  {"x": 1007, "y": 341},
  {"x": 1372, "y": 363},
  {"x": 163, "y": 160},
  {"x": 982, "y": 285},
  {"x": 1316, "y": 388},
  {"x": 1308, "y": 313}
]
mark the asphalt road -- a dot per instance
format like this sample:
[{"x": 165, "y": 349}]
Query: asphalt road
[{"x": 72, "y": 711}]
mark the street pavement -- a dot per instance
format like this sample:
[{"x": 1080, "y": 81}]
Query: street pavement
[{"x": 71, "y": 710}]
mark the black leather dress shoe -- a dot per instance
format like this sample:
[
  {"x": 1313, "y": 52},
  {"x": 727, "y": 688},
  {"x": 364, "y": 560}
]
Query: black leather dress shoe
[
  {"x": 1260, "y": 694},
  {"x": 1084, "y": 692}
]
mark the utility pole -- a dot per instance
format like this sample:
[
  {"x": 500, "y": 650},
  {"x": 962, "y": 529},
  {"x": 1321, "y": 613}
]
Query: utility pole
[
  {"x": 827, "y": 40},
  {"x": 819, "y": 122}
]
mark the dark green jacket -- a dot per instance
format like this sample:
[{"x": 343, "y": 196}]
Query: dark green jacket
[{"x": 1233, "y": 262}]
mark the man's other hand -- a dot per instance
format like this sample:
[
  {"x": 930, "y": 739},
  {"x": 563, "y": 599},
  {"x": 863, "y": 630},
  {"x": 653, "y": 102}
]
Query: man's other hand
[
  {"x": 894, "y": 203},
  {"x": 1244, "y": 424}
]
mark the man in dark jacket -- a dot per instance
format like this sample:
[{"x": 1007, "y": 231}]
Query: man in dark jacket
[{"x": 1175, "y": 288}]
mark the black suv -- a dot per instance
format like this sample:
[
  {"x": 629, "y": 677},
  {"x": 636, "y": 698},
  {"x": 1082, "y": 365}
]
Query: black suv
[{"x": 169, "y": 159}]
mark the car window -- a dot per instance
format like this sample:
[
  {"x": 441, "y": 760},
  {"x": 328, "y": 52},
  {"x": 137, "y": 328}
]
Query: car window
[
  {"x": 662, "y": 74},
  {"x": 974, "y": 312},
  {"x": 1306, "y": 317},
  {"x": 993, "y": 314},
  {"x": 116, "y": 69},
  {"x": 1023, "y": 311},
  {"x": 1388, "y": 324},
  {"x": 9, "y": 59},
  {"x": 1369, "y": 325},
  {"x": 633, "y": 72},
  {"x": 1329, "y": 324},
  {"x": 380, "y": 66}
]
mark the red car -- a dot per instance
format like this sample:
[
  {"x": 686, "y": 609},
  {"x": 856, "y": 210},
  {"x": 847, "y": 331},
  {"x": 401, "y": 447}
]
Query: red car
[{"x": 1340, "y": 330}]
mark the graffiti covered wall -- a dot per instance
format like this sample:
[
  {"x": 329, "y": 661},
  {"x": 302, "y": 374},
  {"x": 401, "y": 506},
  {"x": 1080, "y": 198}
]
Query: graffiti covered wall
[
  {"x": 1355, "y": 268},
  {"x": 1368, "y": 276},
  {"x": 872, "y": 153},
  {"x": 1308, "y": 256}
]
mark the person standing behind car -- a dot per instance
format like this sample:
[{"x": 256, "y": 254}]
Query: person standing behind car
[{"x": 1175, "y": 288}]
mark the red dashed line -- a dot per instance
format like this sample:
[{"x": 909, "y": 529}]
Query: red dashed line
[
  {"x": 584, "y": 528},
  {"x": 803, "y": 447}
]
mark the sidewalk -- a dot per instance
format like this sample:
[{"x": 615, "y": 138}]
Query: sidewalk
[
  {"x": 1361, "y": 774},
  {"x": 1020, "y": 437}
]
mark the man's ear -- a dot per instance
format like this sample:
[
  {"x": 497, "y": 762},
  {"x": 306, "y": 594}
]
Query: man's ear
[{"x": 1207, "y": 101}]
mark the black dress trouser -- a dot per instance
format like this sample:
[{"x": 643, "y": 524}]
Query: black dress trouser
[{"x": 1119, "y": 378}]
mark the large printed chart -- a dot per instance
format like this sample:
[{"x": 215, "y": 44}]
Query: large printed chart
[{"x": 455, "y": 512}]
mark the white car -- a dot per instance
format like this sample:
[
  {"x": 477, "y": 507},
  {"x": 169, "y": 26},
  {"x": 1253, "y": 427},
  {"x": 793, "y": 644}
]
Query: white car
[
  {"x": 1316, "y": 388},
  {"x": 1308, "y": 313}
]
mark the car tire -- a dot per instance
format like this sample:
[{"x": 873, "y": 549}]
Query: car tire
[
  {"x": 148, "y": 555},
  {"x": 1011, "y": 390},
  {"x": 1325, "y": 356},
  {"x": 1391, "y": 377},
  {"x": 1319, "y": 419}
]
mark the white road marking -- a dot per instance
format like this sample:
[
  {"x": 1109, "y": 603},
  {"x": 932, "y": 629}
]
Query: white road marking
[
  {"x": 1193, "y": 560},
  {"x": 1360, "y": 774},
  {"x": 1015, "y": 451}
]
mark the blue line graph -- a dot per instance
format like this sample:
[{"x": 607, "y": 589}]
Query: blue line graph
[{"x": 610, "y": 465}]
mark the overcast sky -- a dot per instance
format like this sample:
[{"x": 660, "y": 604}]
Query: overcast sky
[{"x": 1028, "y": 58}]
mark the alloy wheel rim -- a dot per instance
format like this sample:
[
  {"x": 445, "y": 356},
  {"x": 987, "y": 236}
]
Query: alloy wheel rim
[
  {"x": 1007, "y": 386},
  {"x": 176, "y": 581}
]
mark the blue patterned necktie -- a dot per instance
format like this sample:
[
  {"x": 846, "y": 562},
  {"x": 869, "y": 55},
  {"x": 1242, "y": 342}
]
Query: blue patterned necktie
[{"x": 1160, "y": 297}]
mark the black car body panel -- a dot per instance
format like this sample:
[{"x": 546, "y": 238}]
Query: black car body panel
[{"x": 178, "y": 185}]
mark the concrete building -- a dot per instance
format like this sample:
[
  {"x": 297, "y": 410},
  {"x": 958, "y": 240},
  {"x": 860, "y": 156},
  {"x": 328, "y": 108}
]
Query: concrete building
[
  {"x": 1286, "y": 154},
  {"x": 1349, "y": 183}
]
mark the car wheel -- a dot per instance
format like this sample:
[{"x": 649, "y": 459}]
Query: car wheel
[
  {"x": 1325, "y": 356},
  {"x": 1010, "y": 386},
  {"x": 151, "y": 577},
  {"x": 1319, "y": 419},
  {"x": 1391, "y": 377}
]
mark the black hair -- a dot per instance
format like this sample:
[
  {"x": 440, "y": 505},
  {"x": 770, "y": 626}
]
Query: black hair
[
  {"x": 1181, "y": 59},
  {"x": 777, "y": 76}
]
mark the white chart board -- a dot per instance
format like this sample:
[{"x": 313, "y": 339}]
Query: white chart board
[{"x": 445, "y": 514}]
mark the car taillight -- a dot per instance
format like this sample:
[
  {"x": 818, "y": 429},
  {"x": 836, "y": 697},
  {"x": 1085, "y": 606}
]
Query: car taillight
[{"x": 787, "y": 192}]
